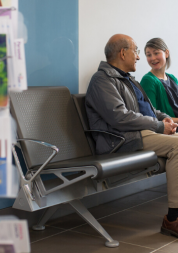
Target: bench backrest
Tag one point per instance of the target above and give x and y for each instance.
(79, 101)
(48, 114)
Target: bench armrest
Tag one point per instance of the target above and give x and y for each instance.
(108, 133)
(55, 151)
(40, 142)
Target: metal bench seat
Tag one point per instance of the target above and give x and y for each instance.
(109, 165)
(53, 141)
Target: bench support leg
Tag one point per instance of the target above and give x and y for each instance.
(87, 216)
(45, 217)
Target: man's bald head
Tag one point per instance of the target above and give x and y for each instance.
(115, 44)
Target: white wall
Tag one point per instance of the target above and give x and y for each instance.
(140, 19)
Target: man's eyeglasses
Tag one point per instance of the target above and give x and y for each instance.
(137, 51)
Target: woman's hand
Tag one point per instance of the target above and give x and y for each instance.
(175, 120)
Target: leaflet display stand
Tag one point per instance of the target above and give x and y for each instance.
(14, 235)
(12, 77)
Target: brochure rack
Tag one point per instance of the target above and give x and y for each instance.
(14, 236)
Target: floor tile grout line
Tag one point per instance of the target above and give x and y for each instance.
(111, 214)
(105, 239)
(77, 232)
(154, 250)
(86, 234)
(155, 191)
(147, 213)
(161, 191)
(136, 245)
(69, 228)
(48, 237)
(65, 230)
(163, 246)
(72, 229)
(131, 207)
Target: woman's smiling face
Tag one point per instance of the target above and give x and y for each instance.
(156, 58)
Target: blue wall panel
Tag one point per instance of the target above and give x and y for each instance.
(52, 47)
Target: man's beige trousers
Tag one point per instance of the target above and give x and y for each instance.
(165, 146)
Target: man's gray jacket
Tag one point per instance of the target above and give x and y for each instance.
(112, 106)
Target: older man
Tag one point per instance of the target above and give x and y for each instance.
(115, 102)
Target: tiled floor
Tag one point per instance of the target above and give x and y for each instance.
(134, 221)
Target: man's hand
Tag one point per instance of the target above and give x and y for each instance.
(169, 126)
(168, 120)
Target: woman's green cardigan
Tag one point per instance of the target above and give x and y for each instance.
(156, 92)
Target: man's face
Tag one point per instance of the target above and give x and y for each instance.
(131, 57)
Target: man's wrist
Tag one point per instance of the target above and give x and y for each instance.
(160, 128)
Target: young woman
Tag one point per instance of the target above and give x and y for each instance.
(160, 87)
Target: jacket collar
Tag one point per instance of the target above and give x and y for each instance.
(110, 71)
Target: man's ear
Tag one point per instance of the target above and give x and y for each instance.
(122, 54)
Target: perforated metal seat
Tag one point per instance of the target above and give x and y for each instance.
(49, 114)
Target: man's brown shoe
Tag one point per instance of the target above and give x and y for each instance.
(169, 228)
